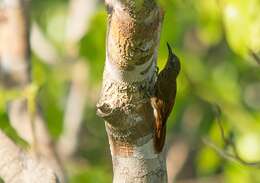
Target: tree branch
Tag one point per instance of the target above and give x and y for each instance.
(255, 56)
(17, 166)
(234, 155)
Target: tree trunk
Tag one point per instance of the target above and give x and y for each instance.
(14, 44)
(129, 78)
(16, 166)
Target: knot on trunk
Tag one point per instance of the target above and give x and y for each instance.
(127, 110)
(120, 102)
(108, 113)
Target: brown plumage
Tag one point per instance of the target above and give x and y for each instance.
(164, 98)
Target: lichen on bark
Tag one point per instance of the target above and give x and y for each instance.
(128, 83)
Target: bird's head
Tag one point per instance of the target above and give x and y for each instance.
(173, 62)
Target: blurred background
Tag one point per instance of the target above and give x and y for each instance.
(217, 42)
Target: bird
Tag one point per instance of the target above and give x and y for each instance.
(163, 98)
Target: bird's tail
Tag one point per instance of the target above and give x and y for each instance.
(159, 139)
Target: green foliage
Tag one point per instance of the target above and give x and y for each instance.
(53, 92)
(92, 46)
(10, 131)
(95, 174)
(7, 95)
(242, 20)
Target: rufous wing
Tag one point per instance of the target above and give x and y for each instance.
(162, 110)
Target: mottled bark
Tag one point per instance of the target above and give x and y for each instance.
(128, 82)
(15, 74)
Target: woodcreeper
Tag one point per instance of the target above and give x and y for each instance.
(164, 97)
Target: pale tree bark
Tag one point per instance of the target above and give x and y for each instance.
(13, 44)
(74, 112)
(42, 47)
(78, 22)
(37, 135)
(128, 82)
(16, 166)
(15, 74)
